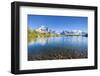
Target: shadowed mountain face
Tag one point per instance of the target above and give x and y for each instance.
(44, 29)
(57, 37)
(47, 45)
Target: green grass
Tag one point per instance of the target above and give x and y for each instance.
(32, 35)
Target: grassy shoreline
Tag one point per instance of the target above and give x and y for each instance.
(58, 53)
(34, 34)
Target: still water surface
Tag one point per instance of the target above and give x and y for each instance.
(66, 47)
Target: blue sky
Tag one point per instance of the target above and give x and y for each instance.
(58, 23)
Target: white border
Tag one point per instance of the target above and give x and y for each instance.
(26, 65)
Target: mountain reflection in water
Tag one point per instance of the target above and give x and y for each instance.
(65, 47)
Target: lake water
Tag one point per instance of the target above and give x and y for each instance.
(66, 47)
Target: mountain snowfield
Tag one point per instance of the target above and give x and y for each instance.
(44, 29)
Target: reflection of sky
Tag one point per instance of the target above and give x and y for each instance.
(58, 23)
(69, 42)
